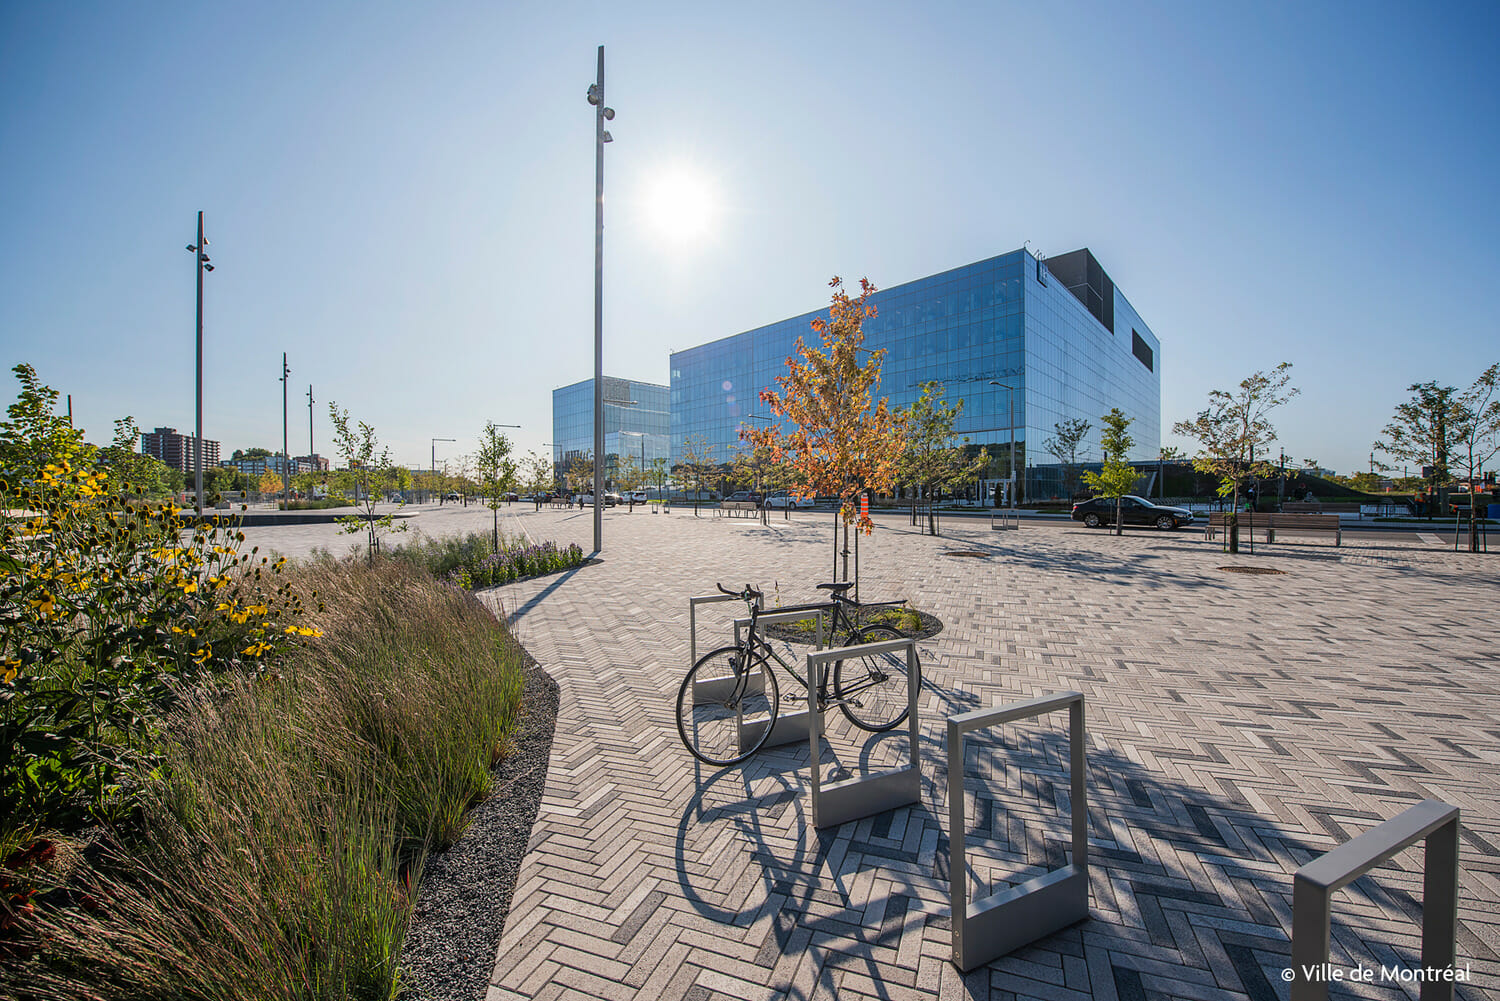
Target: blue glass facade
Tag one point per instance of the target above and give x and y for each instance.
(1009, 319)
(635, 418)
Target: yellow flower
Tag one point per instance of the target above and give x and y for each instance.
(190, 587)
(12, 668)
(44, 604)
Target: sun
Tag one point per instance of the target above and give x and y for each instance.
(681, 204)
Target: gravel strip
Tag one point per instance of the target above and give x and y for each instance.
(465, 892)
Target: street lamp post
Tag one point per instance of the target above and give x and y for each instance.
(286, 455)
(601, 115)
(200, 265)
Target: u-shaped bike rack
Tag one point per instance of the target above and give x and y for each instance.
(1013, 917)
(1314, 884)
(834, 803)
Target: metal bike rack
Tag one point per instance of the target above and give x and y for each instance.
(693, 603)
(1004, 519)
(1314, 884)
(789, 727)
(1018, 915)
(855, 798)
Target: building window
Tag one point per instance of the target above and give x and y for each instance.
(1142, 351)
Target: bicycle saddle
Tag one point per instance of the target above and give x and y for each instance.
(837, 587)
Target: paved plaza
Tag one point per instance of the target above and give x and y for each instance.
(1238, 726)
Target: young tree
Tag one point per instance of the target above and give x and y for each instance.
(368, 473)
(1476, 437)
(1117, 476)
(933, 463)
(130, 472)
(34, 437)
(1423, 433)
(536, 476)
(1069, 434)
(578, 475)
(697, 465)
(1234, 429)
(497, 471)
(659, 476)
(270, 482)
(628, 472)
(844, 440)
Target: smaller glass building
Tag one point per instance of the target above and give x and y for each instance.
(636, 423)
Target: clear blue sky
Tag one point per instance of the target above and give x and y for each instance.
(400, 195)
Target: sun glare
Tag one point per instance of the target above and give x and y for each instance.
(681, 204)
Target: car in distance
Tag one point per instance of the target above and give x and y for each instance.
(785, 498)
(636, 497)
(450, 496)
(613, 499)
(1097, 512)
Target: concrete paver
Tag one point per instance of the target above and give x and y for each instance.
(1239, 725)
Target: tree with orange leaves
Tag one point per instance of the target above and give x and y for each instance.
(841, 439)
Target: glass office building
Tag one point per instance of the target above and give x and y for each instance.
(1057, 334)
(635, 422)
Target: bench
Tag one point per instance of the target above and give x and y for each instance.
(1271, 523)
(1304, 524)
(737, 509)
(1317, 507)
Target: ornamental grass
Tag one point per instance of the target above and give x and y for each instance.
(278, 844)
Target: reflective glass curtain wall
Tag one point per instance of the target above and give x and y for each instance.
(990, 320)
(635, 419)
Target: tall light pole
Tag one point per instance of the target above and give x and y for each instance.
(601, 115)
(200, 265)
(1010, 392)
(286, 455)
(310, 450)
(433, 471)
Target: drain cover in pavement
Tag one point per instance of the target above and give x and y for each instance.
(1250, 570)
(970, 553)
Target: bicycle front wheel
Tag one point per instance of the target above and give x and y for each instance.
(872, 690)
(726, 706)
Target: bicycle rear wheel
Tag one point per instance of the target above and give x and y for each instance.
(725, 707)
(872, 690)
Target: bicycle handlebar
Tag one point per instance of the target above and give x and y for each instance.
(748, 594)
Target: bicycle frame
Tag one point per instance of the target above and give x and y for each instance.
(755, 650)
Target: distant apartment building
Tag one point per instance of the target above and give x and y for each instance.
(314, 463)
(255, 468)
(176, 450)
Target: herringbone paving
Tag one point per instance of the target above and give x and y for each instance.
(1238, 726)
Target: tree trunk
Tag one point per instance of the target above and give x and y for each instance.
(836, 544)
(1119, 518)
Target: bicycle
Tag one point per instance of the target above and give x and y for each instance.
(728, 703)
